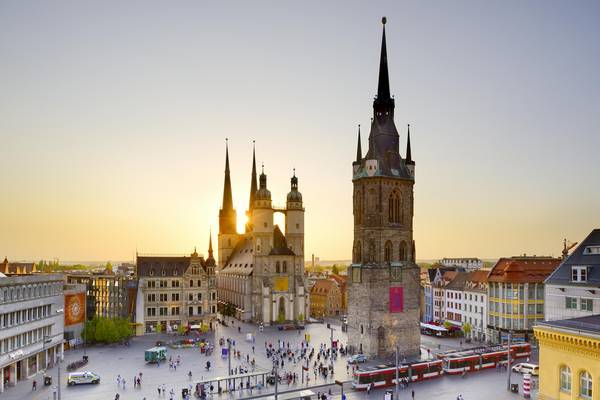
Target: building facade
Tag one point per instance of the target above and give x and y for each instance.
(31, 325)
(17, 268)
(454, 298)
(325, 299)
(475, 305)
(569, 358)
(469, 264)
(516, 295)
(261, 271)
(573, 289)
(176, 292)
(384, 287)
(75, 312)
(108, 295)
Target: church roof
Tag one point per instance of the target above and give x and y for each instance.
(241, 261)
(280, 246)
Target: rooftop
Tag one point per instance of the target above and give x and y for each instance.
(523, 269)
(586, 254)
(589, 324)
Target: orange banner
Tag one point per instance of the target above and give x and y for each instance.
(74, 308)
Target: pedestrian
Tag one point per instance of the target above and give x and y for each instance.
(118, 380)
(34, 385)
(123, 381)
(413, 394)
(117, 396)
(158, 391)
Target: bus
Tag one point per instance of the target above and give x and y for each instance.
(478, 358)
(385, 375)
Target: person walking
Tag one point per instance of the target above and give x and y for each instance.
(158, 388)
(34, 385)
(413, 394)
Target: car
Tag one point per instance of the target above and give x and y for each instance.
(526, 368)
(357, 358)
(78, 378)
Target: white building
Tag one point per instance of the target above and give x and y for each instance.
(474, 310)
(469, 264)
(573, 289)
(31, 325)
(454, 297)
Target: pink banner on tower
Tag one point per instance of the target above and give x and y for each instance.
(396, 300)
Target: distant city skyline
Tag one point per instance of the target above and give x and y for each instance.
(113, 119)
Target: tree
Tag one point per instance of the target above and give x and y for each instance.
(335, 269)
(158, 327)
(466, 329)
(181, 329)
(109, 268)
(106, 330)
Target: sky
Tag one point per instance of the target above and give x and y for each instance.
(113, 119)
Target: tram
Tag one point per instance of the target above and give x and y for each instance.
(385, 375)
(478, 358)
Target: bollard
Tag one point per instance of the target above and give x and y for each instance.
(527, 386)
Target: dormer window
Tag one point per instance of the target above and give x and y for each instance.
(591, 250)
(579, 274)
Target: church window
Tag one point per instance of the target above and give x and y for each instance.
(229, 242)
(277, 267)
(357, 253)
(403, 252)
(372, 201)
(265, 224)
(371, 251)
(395, 214)
(284, 267)
(357, 208)
(388, 251)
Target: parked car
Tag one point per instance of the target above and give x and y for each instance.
(526, 368)
(76, 378)
(357, 358)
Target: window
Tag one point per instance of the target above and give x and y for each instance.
(174, 283)
(388, 251)
(190, 310)
(214, 296)
(357, 253)
(585, 385)
(190, 297)
(174, 296)
(191, 283)
(372, 250)
(571, 303)
(403, 253)
(587, 305)
(174, 310)
(565, 379)
(284, 267)
(592, 250)
(277, 267)
(579, 274)
(395, 208)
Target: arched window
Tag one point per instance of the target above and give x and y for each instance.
(395, 215)
(357, 253)
(565, 379)
(285, 267)
(388, 251)
(277, 267)
(585, 385)
(357, 207)
(371, 251)
(371, 201)
(403, 252)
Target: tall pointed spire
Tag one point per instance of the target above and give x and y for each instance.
(227, 196)
(210, 249)
(409, 160)
(358, 147)
(383, 88)
(227, 214)
(253, 180)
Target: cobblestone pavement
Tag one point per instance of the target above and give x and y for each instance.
(111, 361)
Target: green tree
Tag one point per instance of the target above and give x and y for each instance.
(466, 329)
(109, 268)
(301, 317)
(335, 269)
(158, 327)
(181, 329)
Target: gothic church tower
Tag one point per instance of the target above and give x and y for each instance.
(383, 293)
(228, 236)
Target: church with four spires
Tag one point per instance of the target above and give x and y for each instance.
(260, 274)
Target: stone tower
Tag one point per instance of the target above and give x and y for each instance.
(383, 292)
(294, 218)
(228, 236)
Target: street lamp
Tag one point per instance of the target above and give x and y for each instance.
(508, 363)
(47, 339)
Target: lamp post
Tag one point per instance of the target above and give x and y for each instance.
(275, 369)
(47, 339)
(508, 364)
(397, 378)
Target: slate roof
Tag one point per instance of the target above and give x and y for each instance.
(523, 269)
(589, 324)
(241, 261)
(164, 266)
(581, 256)
(458, 283)
(280, 246)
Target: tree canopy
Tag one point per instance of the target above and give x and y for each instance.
(106, 330)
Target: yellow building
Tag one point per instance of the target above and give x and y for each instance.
(569, 358)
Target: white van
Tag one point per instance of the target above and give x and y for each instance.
(76, 378)
(526, 368)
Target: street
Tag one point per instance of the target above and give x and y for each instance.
(128, 361)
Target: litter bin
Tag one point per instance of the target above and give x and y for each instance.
(184, 392)
(514, 387)
(47, 380)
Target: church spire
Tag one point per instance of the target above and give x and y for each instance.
(409, 160)
(227, 214)
(253, 181)
(383, 88)
(210, 249)
(358, 148)
(227, 196)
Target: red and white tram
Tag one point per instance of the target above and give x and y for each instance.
(385, 375)
(455, 362)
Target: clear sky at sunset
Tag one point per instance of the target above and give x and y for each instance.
(113, 119)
